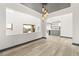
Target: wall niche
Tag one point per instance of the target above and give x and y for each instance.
(28, 28)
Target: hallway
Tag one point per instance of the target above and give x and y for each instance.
(52, 46)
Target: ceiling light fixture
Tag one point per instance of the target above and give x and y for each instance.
(44, 11)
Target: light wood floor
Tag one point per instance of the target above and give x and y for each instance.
(52, 46)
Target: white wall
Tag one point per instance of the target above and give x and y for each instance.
(43, 27)
(2, 21)
(16, 36)
(2, 24)
(17, 15)
(65, 16)
(18, 19)
(75, 10)
(66, 24)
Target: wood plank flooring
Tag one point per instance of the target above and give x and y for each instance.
(52, 46)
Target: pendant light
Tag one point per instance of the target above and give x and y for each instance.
(44, 11)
